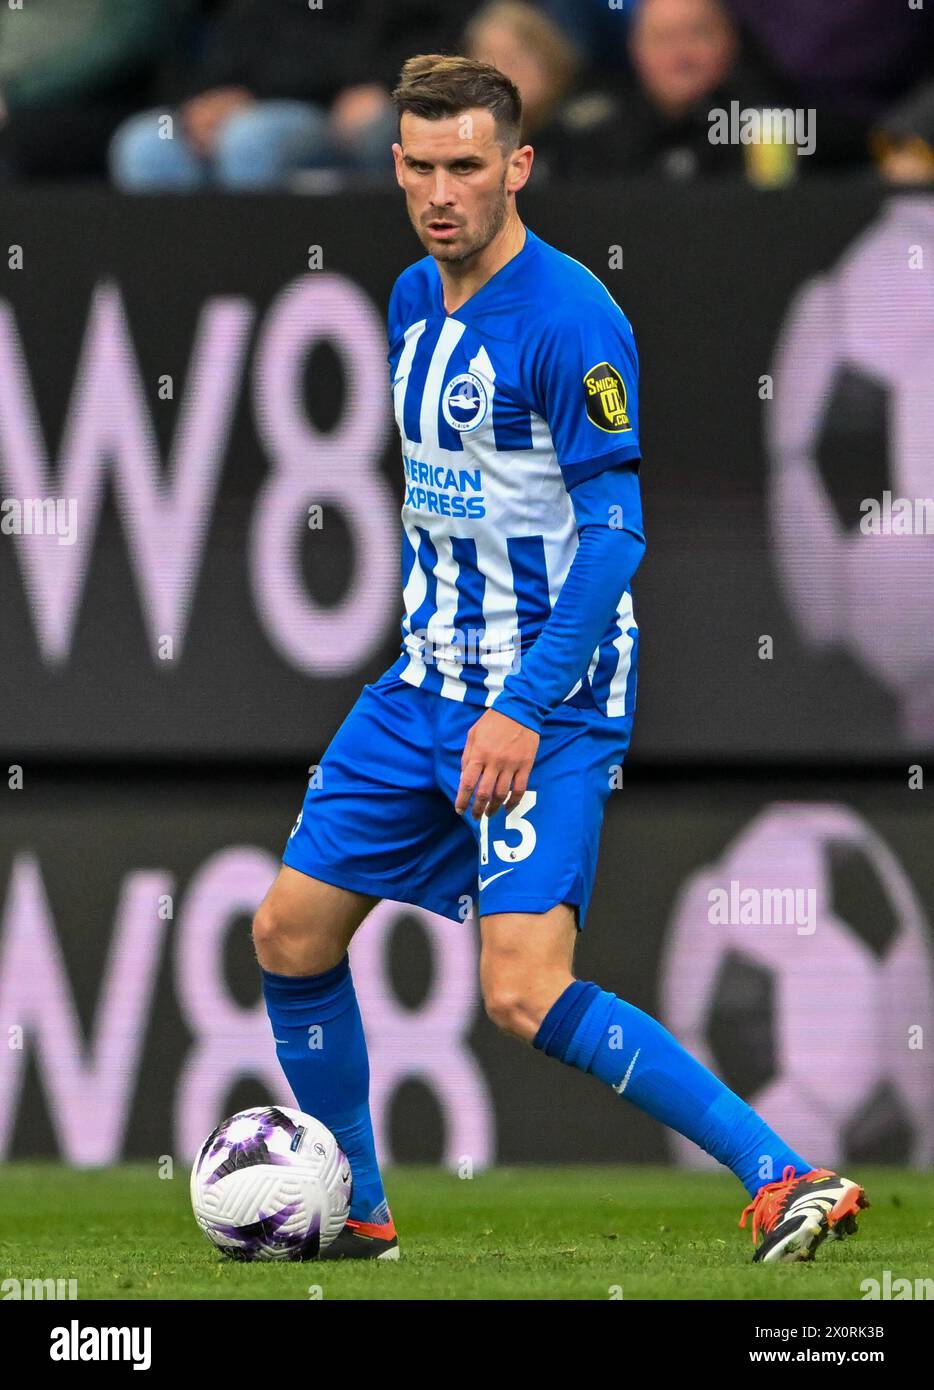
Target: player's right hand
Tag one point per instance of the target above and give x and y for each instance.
(496, 764)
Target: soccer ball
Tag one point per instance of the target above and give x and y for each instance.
(271, 1184)
(852, 419)
(820, 1030)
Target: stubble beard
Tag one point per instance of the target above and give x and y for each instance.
(492, 224)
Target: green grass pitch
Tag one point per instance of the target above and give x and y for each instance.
(509, 1233)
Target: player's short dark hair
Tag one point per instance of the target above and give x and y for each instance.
(433, 85)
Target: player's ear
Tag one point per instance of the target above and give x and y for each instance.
(519, 168)
(397, 160)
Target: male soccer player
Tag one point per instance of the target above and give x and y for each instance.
(514, 377)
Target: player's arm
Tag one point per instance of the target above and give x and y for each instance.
(501, 746)
(582, 377)
(611, 543)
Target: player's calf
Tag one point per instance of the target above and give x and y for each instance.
(301, 931)
(525, 965)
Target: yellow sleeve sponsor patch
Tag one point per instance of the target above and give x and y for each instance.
(605, 395)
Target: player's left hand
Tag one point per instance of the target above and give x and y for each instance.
(497, 761)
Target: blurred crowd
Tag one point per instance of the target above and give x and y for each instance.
(174, 95)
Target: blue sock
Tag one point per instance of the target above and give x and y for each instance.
(593, 1030)
(322, 1050)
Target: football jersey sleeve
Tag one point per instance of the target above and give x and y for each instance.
(608, 509)
(585, 384)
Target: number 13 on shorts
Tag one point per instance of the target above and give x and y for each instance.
(517, 821)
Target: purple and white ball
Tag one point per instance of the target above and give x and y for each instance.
(271, 1183)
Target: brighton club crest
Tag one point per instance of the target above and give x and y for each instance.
(464, 403)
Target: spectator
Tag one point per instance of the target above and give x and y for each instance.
(685, 59)
(531, 50)
(283, 87)
(70, 72)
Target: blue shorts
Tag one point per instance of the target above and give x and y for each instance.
(379, 815)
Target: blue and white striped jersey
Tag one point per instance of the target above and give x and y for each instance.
(528, 389)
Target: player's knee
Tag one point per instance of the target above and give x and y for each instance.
(277, 939)
(267, 929)
(295, 943)
(511, 1010)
